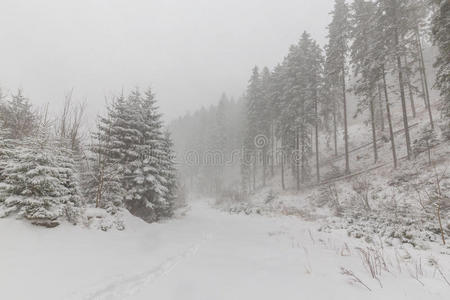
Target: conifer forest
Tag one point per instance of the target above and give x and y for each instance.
(225, 149)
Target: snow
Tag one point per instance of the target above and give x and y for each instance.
(207, 254)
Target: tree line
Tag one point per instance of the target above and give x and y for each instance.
(207, 144)
(307, 93)
(294, 112)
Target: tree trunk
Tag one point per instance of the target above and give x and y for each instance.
(254, 171)
(347, 162)
(264, 162)
(388, 113)
(282, 167)
(374, 134)
(302, 139)
(400, 82)
(316, 123)
(411, 96)
(297, 161)
(380, 108)
(424, 74)
(100, 189)
(272, 155)
(335, 134)
(422, 83)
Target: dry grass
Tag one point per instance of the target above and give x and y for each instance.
(353, 277)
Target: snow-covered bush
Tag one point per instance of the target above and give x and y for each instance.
(104, 219)
(328, 195)
(361, 186)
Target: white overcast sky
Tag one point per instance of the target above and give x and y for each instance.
(188, 51)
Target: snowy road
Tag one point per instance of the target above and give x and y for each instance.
(206, 255)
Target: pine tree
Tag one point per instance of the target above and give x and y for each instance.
(363, 56)
(338, 35)
(105, 179)
(130, 140)
(382, 59)
(418, 12)
(18, 117)
(146, 183)
(441, 33)
(253, 97)
(169, 173)
(7, 152)
(266, 124)
(40, 184)
(219, 144)
(314, 62)
(278, 101)
(395, 28)
(330, 94)
(293, 114)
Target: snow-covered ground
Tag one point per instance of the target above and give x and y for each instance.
(210, 254)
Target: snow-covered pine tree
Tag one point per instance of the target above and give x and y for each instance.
(395, 29)
(383, 60)
(104, 181)
(148, 188)
(40, 184)
(7, 147)
(291, 113)
(418, 14)
(338, 35)
(265, 120)
(278, 100)
(18, 117)
(219, 145)
(300, 77)
(132, 158)
(315, 63)
(441, 33)
(363, 56)
(330, 94)
(253, 97)
(170, 175)
(412, 58)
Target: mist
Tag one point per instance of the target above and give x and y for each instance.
(163, 149)
(189, 52)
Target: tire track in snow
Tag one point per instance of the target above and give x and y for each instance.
(128, 286)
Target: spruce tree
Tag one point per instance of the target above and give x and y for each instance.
(170, 177)
(330, 95)
(338, 35)
(363, 55)
(395, 28)
(253, 97)
(130, 140)
(18, 117)
(441, 33)
(40, 184)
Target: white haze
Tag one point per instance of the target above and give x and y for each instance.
(189, 52)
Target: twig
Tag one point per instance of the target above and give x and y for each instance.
(355, 278)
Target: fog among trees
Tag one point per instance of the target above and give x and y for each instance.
(193, 158)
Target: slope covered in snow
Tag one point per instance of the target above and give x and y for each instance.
(210, 254)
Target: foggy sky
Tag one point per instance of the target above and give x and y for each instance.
(188, 51)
